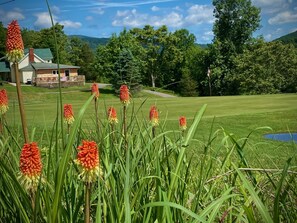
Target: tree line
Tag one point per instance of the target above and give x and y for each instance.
(235, 61)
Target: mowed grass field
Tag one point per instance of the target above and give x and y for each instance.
(236, 115)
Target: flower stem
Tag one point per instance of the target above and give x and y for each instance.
(21, 103)
(96, 116)
(153, 131)
(125, 125)
(87, 202)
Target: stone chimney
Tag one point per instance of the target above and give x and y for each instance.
(31, 55)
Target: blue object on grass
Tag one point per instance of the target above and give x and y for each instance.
(285, 137)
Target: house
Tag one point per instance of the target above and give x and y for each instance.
(36, 68)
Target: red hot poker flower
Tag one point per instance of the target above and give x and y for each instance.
(68, 114)
(124, 95)
(154, 116)
(112, 115)
(95, 90)
(88, 160)
(3, 102)
(30, 165)
(14, 42)
(183, 123)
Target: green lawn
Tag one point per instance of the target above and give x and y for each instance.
(238, 115)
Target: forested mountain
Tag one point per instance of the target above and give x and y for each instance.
(93, 42)
(289, 38)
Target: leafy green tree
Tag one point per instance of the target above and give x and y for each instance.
(47, 41)
(174, 57)
(106, 56)
(126, 71)
(31, 38)
(236, 20)
(80, 54)
(2, 40)
(267, 68)
(152, 42)
(187, 84)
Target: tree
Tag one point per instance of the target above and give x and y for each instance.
(47, 40)
(2, 40)
(80, 54)
(31, 38)
(267, 68)
(152, 42)
(106, 56)
(126, 71)
(236, 20)
(187, 84)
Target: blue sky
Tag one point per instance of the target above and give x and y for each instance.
(102, 18)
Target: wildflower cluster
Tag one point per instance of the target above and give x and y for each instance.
(3, 102)
(30, 166)
(112, 115)
(88, 161)
(68, 114)
(14, 42)
(95, 90)
(124, 95)
(154, 116)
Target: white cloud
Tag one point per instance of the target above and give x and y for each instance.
(8, 16)
(283, 17)
(207, 36)
(43, 20)
(98, 11)
(131, 18)
(70, 24)
(155, 8)
(172, 20)
(271, 6)
(89, 18)
(198, 14)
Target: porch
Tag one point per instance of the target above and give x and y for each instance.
(52, 82)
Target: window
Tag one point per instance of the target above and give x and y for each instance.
(55, 72)
(67, 72)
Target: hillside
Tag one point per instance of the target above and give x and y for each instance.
(95, 41)
(92, 41)
(289, 38)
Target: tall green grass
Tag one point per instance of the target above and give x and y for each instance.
(166, 177)
(152, 180)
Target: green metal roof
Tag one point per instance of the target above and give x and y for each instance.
(4, 66)
(44, 54)
(27, 68)
(42, 66)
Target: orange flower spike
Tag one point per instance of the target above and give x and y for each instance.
(124, 95)
(14, 42)
(68, 114)
(183, 123)
(95, 90)
(154, 116)
(88, 160)
(112, 116)
(3, 102)
(30, 165)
